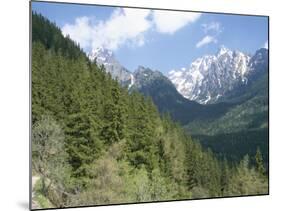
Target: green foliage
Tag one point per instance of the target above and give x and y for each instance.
(42, 200)
(225, 176)
(81, 144)
(252, 114)
(50, 36)
(114, 118)
(49, 157)
(259, 162)
(93, 142)
(234, 146)
(140, 188)
(141, 132)
(49, 160)
(247, 181)
(243, 127)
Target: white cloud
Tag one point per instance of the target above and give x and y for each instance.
(266, 44)
(212, 31)
(206, 40)
(212, 26)
(171, 21)
(82, 24)
(126, 26)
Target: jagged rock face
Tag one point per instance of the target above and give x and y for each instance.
(106, 57)
(143, 76)
(209, 77)
(258, 64)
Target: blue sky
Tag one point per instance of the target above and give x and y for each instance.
(161, 40)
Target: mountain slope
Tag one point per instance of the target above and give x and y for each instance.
(243, 128)
(169, 100)
(251, 100)
(257, 82)
(242, 84)
(159, 88)
(239, 120)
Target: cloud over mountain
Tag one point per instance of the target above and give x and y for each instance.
(206, 40)
(126, 26)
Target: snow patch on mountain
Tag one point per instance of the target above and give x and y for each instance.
(132, 81)
(209, 77)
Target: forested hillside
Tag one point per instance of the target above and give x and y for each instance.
(94, 143)
(233, 127)
(243, 128)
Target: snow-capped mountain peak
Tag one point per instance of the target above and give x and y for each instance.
(107, 58)
(222, 50)
(211, 76)
(206, 80)
(102, 55)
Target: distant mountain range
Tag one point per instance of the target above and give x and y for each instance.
(208, 80)
(212, 87)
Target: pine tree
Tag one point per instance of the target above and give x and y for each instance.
(82, 147)
(225, 176)
(191, 165)
(259, 162)
(114, 129)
